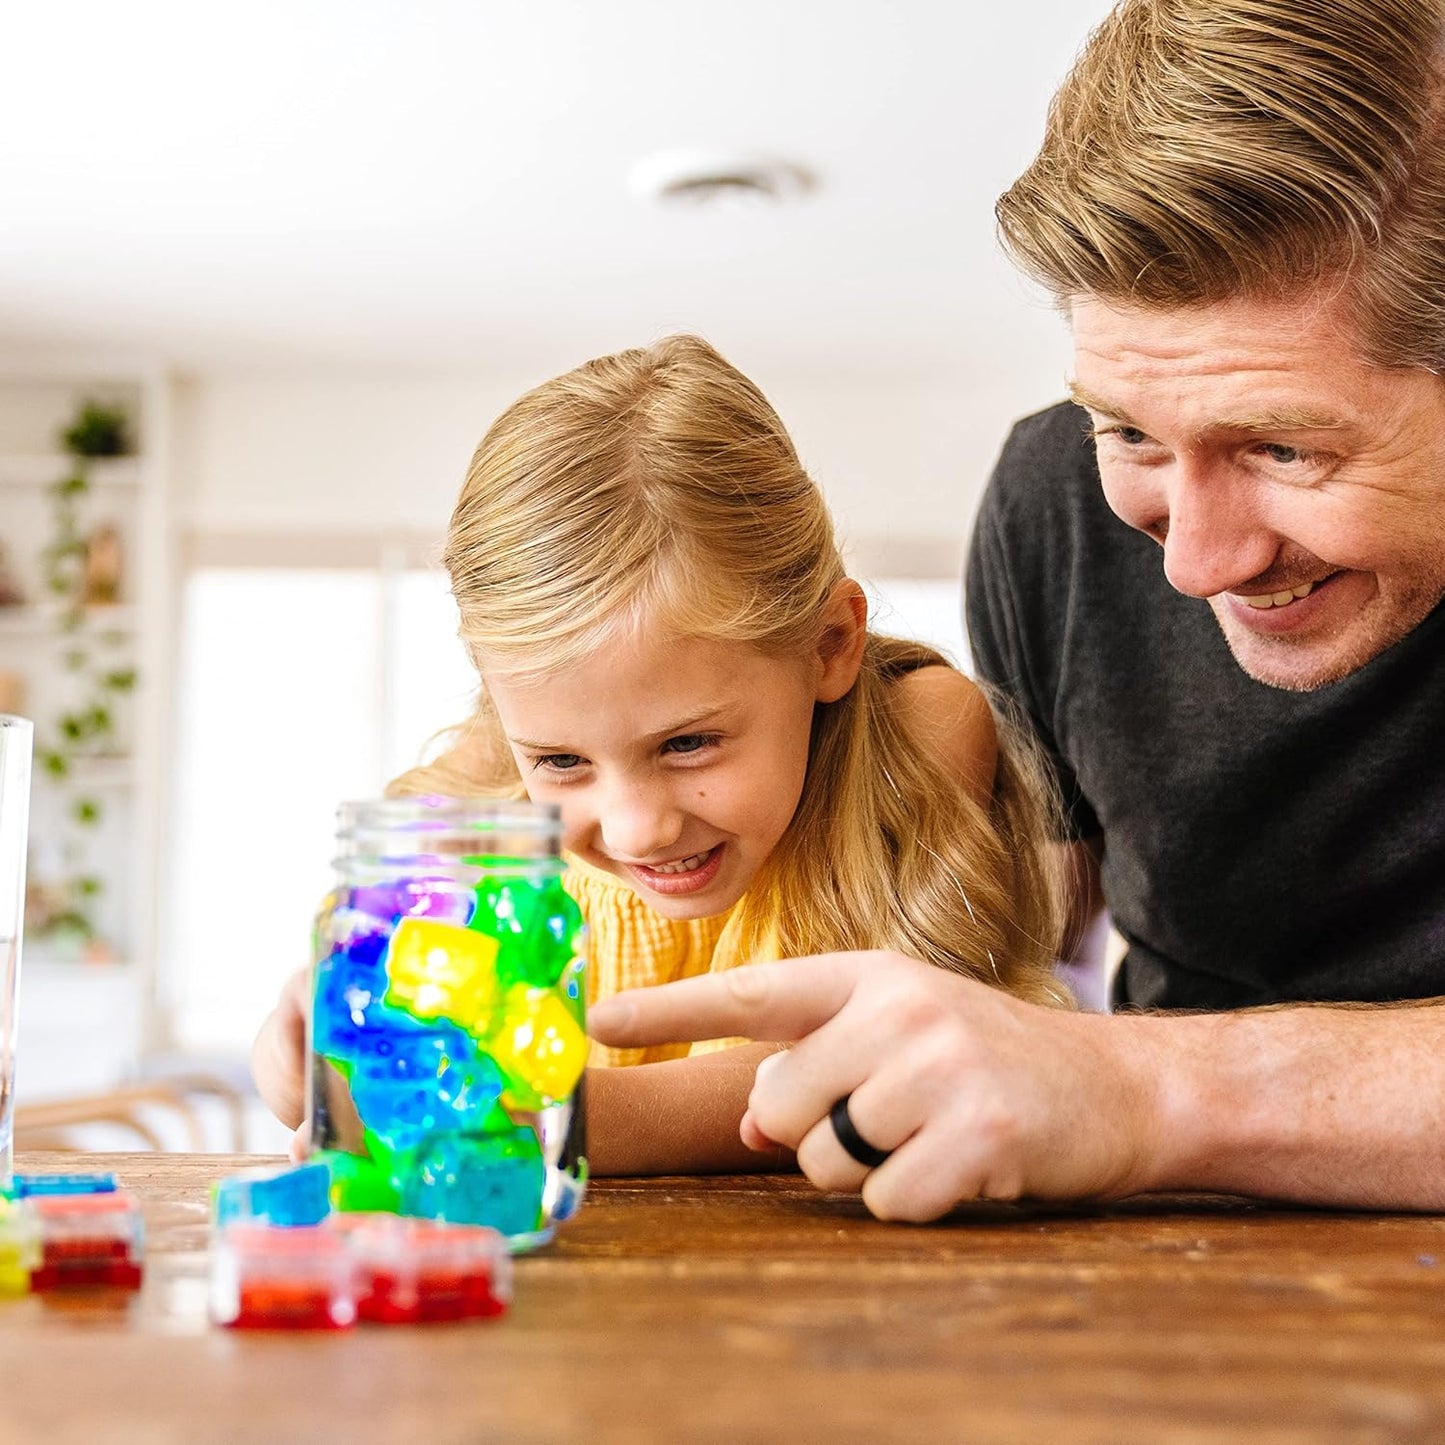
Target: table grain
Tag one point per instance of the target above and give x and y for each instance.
(747, 1309)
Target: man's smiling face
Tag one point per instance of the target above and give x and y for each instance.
(1297, 487)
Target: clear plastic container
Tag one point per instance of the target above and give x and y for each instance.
(447, 1029)
(268, 1278)
(88, 1239)
(16, 746)
(413, 1270)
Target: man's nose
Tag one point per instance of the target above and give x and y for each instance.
(639, 823)
(1214, 538)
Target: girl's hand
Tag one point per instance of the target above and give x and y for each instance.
(278, 1055)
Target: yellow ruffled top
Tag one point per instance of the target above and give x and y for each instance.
(631, 946)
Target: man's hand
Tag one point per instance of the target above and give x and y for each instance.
(978, 1094)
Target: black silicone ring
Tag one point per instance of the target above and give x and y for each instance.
(856, 1146)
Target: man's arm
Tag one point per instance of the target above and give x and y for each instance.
(980, 1095)
(1320, 1104)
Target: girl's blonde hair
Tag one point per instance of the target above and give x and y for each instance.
(658, 486)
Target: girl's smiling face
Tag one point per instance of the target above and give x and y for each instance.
(678, 763)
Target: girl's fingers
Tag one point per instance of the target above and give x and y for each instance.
(278, 1052)
(301, 1143)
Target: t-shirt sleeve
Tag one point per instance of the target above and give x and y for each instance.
(1007, 593)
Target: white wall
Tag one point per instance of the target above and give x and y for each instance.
(901, 460)
(327, 451)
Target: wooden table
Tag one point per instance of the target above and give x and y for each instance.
(751, 1309)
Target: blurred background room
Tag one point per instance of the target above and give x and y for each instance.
(267, 272)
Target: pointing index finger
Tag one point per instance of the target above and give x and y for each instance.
(774, 1002)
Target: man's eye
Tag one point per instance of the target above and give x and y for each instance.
(1279, 452)
(558, 762)
(1130, 436)
(689, 743)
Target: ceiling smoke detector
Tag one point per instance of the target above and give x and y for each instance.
(718, 178)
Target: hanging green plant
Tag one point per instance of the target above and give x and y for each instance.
(63, 558)
(87, 729)
(98, 431)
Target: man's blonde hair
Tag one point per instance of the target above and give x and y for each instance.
(658, 488)
(1208, 149)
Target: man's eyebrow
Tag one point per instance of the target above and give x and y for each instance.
(1269, 419)
(1090, 402)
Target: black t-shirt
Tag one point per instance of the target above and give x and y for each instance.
(1259, 845)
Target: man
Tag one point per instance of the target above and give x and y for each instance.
(1240, 205)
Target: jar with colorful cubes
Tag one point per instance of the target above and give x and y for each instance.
(447, 1031)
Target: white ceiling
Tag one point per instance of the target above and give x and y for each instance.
(444, 182)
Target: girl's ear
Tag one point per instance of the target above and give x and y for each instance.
(841, 642)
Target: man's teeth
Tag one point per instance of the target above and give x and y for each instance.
(684, 865)
(1281, 599)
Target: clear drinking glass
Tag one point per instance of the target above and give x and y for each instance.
(16, 743)
(447, 1037)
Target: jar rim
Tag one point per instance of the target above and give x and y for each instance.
(435, 812)
(433, 828)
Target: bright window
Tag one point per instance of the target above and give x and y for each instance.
(298, 689)
(928, 609)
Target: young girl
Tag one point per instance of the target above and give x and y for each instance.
(669, 648)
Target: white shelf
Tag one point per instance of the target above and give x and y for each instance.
(102, 772)
(20, 469)
(80, 1025)
(84, 1023)
(41, 620)
(59, 966)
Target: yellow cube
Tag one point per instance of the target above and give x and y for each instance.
(437, 970)
(538, 1046)
(19, 1248)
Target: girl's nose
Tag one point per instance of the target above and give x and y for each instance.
(638, 827)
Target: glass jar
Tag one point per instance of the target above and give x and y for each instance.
(447, 1035)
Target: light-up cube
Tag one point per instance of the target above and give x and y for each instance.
(539, 1047)
(437, 970)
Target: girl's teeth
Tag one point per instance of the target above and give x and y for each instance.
(685, 865)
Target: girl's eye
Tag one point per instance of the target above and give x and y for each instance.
(558, 762)
(690, 743)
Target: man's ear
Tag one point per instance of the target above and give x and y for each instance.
(842, 639)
